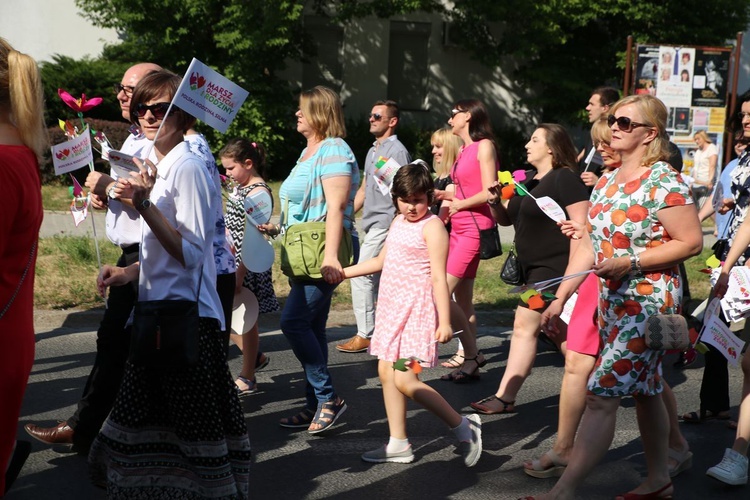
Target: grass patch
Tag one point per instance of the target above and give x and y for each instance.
(66, 272)
(66, 277)
(56, 197)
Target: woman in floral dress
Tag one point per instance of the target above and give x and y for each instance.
(642, 223)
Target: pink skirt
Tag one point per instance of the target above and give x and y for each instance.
(583, 333)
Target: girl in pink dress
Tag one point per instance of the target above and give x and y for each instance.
(414, 295)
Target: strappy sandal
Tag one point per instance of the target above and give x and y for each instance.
(695, 417)
(300, 420)
(327, 415)
(462, 377)
(454, 361)
(481, 406)
(683, 459)
(535, 468)
(252, 386)
(261, 361)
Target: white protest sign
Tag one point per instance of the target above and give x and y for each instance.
(73, 154)
(550, 208)
(567, 311)
(717, 334)
(718, 200)
(209, 96)
(589, 157)
(385, 170)
(244, 311)
(258, 207)
(257, 252)
(122, 163)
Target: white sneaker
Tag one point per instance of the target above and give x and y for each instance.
(731, 470)
(381, 455)
(472, 450)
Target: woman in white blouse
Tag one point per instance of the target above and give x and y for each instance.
(173, 432)
(704, 167)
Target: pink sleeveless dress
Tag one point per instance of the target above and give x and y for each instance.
(406, 317)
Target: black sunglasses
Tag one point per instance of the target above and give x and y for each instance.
(624, 123)
(119, 87)
(376, 116)
(159, 110)
(454, 112)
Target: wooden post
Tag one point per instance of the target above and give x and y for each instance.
(628, 68)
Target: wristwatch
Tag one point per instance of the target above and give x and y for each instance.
(111, 191)
(145, 204)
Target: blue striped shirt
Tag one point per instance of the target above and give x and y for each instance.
(304, 187)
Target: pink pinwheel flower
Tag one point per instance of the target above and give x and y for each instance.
(79, 105)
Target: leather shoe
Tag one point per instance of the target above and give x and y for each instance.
(62, 433)
(354, 344)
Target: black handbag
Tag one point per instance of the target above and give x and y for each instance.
(721, 247)
(512, 272)
(165, 333)
(489, 239)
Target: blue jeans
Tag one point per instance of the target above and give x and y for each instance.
(303, 323)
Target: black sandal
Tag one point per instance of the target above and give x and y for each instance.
(298, 421)
(327, 415)
(695, 417)
(480, 407)
(462, 377)
(453, 361)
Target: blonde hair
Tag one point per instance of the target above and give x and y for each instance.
(322, 109)
(451, 144)
(654, 114)
(600, 131)
(22, 94)
(703, 135)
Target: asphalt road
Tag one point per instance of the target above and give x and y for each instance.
(294, 465)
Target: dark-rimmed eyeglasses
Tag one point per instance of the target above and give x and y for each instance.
(127, 89)
(743, 114)
(376, 116)
(624, 123)
(159, 110)
(454, 112)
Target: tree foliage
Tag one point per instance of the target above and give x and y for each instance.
(560, 49)
(564, 48)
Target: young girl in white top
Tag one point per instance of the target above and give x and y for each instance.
(414, 295)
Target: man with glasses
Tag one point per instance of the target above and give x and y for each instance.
(377, 215)
(112, 339)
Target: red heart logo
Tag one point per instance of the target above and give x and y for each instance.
(66, 151)
(201, 81)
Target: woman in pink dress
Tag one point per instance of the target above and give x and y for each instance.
(473, 173)
(414, 294)
(23, 139)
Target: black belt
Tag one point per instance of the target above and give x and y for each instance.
(130, 248)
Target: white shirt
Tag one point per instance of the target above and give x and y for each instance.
(182, 194)
(701, 162)
(123, 222)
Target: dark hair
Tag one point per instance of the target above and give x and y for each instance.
(153, 85)
(413, 178)
(607, 95)
(480, 126)
(241, 150)
(392, 106)
(559, 142)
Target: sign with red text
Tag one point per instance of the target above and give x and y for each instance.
(209, 96)
(73, 154)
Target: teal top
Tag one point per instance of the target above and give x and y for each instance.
(303, 189)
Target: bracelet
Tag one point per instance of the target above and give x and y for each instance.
(635, 263)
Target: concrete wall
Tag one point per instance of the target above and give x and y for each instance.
(451, 75)
(41, 28)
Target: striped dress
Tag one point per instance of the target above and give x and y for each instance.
(406, 316)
